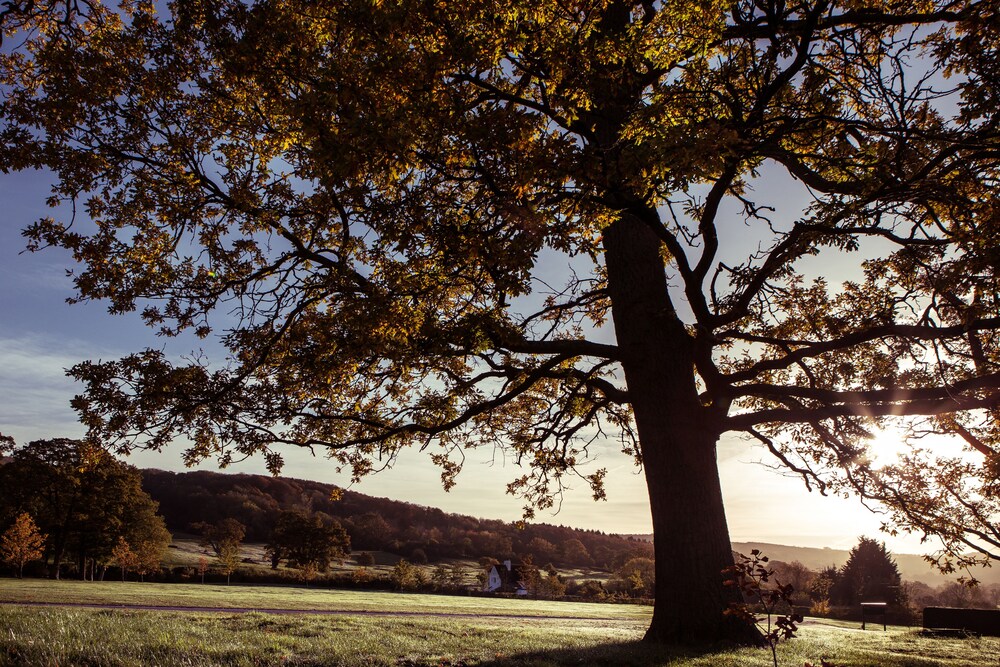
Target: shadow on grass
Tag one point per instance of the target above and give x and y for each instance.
(623, 654)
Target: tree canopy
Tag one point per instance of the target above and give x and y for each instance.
(215, 535)
(370, 203)
(305, 539)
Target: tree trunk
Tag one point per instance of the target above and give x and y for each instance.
(57, 555)
(677, 436)
(691, 537)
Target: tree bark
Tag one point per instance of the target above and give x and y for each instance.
(677, 438)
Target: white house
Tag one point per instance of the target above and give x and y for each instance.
(503, 579)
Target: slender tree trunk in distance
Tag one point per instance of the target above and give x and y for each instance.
(57, 552)
(82, 561)
(678, 441)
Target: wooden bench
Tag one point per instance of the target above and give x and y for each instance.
(871, 609)
(976, 621)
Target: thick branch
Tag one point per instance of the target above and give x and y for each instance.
(896, 395)
(926, 407)
(818, 348)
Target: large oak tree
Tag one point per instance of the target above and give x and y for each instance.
(366, 201)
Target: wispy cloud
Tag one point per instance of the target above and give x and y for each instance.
(34, 389)
(49, 275)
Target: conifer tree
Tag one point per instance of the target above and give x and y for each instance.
(869, 575)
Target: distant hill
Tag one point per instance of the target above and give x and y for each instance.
(912, 567)
(422, 534)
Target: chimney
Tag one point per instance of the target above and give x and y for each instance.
(507, 565)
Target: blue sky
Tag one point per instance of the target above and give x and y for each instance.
(41, 335)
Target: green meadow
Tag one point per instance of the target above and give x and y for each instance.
(394, 629)
(302, 598)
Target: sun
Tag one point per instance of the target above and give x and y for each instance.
(887, 445)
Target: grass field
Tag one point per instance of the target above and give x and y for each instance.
(526, 633)
(298, 597)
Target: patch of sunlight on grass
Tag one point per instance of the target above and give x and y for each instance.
(296, 597)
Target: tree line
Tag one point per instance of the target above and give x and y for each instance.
(79, 509)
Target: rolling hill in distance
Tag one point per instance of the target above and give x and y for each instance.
(912, 567)
(429, 534)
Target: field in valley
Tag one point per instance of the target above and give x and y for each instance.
(394, 629)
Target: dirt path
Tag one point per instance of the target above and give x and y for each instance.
(321, 612)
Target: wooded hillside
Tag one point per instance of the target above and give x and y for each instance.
(413, 531)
